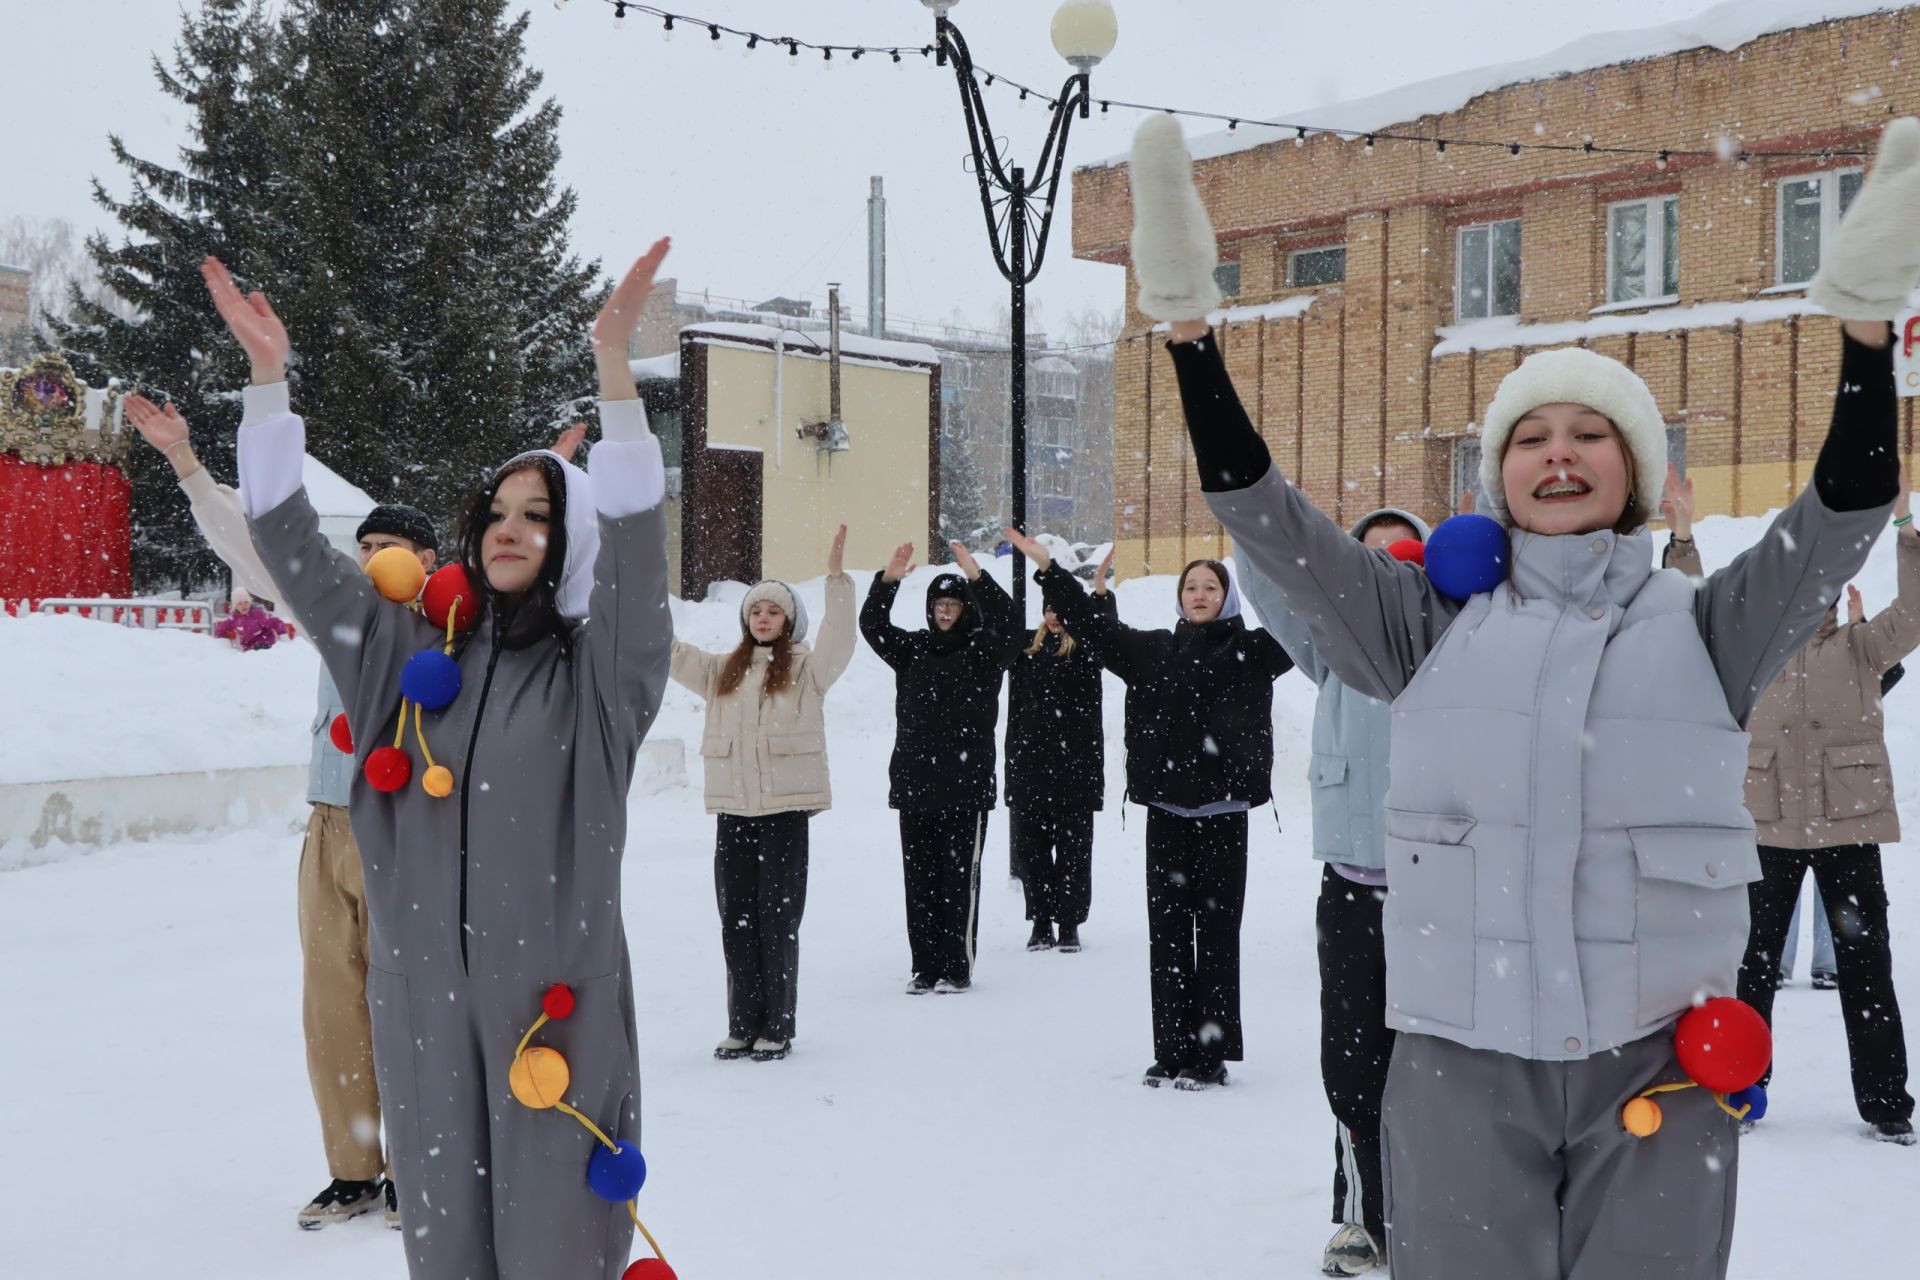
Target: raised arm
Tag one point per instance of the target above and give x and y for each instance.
(894, 645)
(1279, 621)
(995, 605)
(1894, 632)
(1097, 623)
(1676, 504)
(834, 648)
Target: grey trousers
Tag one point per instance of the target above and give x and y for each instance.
(1502, 1166)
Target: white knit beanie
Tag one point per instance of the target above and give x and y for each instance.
(784, 596)
(1574, 375)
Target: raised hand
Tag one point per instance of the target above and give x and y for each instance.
(1031, 548)
(1100, 586)
(1677, 504)
(621, 314)
(251, 319)
(570, 441)
(161, 428)
(964, 558)
(1856, 606)
(1466, 503)
(900, 565)
(836, 553)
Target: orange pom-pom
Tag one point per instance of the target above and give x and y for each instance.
(438, 782)
(539, 1077)
(1641, 1117)
(450, 583)
(397, 574)
(558, 1002)
(388, 769)
(340, 735)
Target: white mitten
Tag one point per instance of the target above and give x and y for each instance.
(1173, 247)
(1874, 260)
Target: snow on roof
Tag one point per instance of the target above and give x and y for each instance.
(1726, 26)
(1284, 309)
(1508, 331)
(803, 343)
(667, 366)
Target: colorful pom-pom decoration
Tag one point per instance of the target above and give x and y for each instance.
(340, 735)
(388, 768)
(1641, 1117)
(1467, 555)
(397, 574)
(650, 1269)
(1412, 550)
(539, 1077)
(617, 1173)
(448, 584)
(431, 678)
(1724, 1044)
(557, 1003)
(437, 782)
(1753, 1099)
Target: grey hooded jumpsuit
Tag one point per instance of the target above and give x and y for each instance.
(481, 900)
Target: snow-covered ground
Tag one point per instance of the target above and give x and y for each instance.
(157, 1122)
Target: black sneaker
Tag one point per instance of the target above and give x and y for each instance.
(1825, 980)
(732, 1049)
(1069, 938)
(1157, 1075)
(393, 1207)
(1041, 939)
(1199, 1079)
(1898, 1132)
(952, 986)
(920, 985)
(340, 1202)
(766, 1050)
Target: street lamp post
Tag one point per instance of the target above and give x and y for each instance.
(1084, 32)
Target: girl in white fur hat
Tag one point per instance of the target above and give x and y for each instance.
(765, 752)
(1567, 847)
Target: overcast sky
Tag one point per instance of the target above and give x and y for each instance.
(759, 169)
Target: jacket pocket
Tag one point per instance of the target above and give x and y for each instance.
(723, 771)
(1689, 932)
(1763, 784)
(1857, 780)
(797, 764)
(1332, 827)
(1430, 941)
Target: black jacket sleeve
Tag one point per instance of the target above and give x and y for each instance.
(1272, 656)
(1859, 465)
(894, 645)
(1227, 451)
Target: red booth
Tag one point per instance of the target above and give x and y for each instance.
(65, 520)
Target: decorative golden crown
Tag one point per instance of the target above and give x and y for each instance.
(49, 417)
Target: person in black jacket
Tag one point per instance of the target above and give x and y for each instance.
(1199, 755)
(1055, 775)
(941, 778)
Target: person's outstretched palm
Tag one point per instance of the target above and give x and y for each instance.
(251, 318)
(161, 428)
(621, 314)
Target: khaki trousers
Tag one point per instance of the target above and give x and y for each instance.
(333, 954)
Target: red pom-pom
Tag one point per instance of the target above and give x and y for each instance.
(1724, 1045)
(388, 769)
(340, 735)
(558, 1002)
(446, 585)
(649, 1269)
(1410, 549)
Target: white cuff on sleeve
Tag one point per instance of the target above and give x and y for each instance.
(629, 476)
(259, 403)
(623, 420)
(270, 460)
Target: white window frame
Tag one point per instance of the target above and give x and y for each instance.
(1459, 269)
(1656, 254)
(1295, 255)
(1829, 217)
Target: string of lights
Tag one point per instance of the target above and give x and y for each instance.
(1724, 150)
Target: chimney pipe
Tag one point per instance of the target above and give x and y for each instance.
(876, 262)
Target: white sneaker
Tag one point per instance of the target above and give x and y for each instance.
(730, 1048)
(1351, 1252)
(765, 1050)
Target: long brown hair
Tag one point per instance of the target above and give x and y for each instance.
(779, 665)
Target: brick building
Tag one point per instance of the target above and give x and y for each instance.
(1378, 294)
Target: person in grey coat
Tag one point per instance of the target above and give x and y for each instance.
(1567, 847)
(482, 900)
(1348, 780)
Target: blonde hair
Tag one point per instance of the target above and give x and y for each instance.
(1040, 640)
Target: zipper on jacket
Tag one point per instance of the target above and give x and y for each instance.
(466, 786)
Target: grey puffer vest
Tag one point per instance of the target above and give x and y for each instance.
(1561, 885)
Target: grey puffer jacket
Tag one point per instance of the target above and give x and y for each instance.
(1348, 773)
(1566, 843)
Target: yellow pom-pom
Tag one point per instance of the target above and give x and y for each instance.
(437, 781)
(1641, 1117)
(539, 1077)
(397, 574)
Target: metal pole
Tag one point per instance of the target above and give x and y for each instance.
(1017, 380)
(877, 262)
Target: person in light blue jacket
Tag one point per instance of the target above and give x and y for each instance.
(1348, 779)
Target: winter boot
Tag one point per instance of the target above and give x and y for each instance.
(1041, 939)
(920, 985)
(1157, 1075)
(765, 1050)
(1825, 980)
(1200, 1079)
(1351, 1252)
(1069, 938)
(341, 1201)
(393, 1207)
(731, 1048)
(952, 986)
(1898, 1132)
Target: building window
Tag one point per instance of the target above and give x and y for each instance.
(1811, 207)
(1488, 282)
(1227, 276)
(1643, 249)
(1307, 267)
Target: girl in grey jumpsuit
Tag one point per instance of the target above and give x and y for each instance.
(481, 900)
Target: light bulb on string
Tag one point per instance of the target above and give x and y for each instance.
(559, 4)
(896, 59)
(1300, 136)
(714, 31)
(793, 52)
(753, 42)
(666, 28)
(1369, 147)
(827, 57)
(619, 16)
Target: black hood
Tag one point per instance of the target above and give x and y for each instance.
(952, 586)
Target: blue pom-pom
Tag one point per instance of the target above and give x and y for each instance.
(430, 678)
(1467, 554)
(617, 1174)
(1753, 1095)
